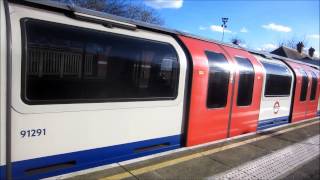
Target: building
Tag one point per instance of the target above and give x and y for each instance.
(298, 54)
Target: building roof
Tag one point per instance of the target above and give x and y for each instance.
(294, 54)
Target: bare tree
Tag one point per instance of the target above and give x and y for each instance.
(292, 42)
(136, 11)
(143, 13)
(237, 41)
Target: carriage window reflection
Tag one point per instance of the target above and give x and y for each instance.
(70, 64)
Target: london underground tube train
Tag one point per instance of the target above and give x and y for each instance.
(81, 89)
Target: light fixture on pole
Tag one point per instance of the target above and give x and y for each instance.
(224, 25)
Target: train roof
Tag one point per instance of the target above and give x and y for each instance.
(117, 21)
(269, 55)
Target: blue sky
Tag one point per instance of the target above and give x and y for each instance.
(261, 24)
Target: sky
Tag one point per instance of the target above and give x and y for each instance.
(261, 25)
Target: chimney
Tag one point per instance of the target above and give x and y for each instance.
(311, 51)
(300, 47)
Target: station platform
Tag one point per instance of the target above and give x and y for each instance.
(286, 152)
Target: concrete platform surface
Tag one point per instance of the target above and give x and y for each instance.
(271, 154)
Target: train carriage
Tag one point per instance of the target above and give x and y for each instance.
(81, 89)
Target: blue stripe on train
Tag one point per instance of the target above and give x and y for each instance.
(318, 113)
(90, 158)
(268, 123)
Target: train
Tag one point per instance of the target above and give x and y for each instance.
(81, 89)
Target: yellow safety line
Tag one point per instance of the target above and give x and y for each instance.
(197, 155)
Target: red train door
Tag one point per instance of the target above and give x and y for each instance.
(247, 92)
(210, 92)
(301, 86)
(313, 93)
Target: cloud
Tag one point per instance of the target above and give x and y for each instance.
(219, 29)
(313, 36)
(160, 4)
(277, 27)
(243, 45)
(267, 47)
(244, 30)
(202, 28)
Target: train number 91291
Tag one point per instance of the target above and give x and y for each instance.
(32, 133)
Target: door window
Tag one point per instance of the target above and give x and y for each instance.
(313, 86)
(219, 74)
(246, 81)
(304, 86)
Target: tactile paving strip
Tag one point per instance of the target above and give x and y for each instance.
(276, 164)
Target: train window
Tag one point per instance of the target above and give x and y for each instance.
(246, 81)
(67, 64)
(313, 86)
(278, 80)
(304, 86)
(218, 84)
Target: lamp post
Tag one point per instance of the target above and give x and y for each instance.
(224, 25)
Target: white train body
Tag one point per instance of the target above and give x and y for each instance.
(73, 133)
(3, 55)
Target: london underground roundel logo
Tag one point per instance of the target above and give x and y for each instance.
(276, 107)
